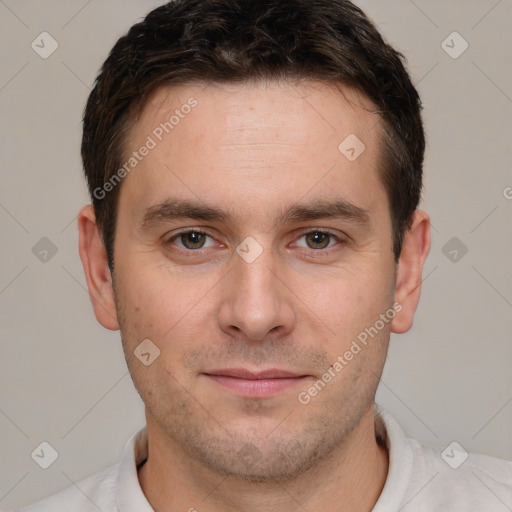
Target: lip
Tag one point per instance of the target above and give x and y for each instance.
(259, 384)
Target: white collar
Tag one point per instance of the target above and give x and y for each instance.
(128, 492)
(400, 461)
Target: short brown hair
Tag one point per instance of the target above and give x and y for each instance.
(187, 41)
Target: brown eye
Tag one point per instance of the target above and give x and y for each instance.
(192, 240)
(318, 240)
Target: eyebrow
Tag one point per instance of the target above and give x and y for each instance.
(174, 208)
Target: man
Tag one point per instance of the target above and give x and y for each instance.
(255, 170)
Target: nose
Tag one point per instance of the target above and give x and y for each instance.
(256, 302)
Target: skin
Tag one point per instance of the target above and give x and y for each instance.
(254, 150)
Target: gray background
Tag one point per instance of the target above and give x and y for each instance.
(63, 377)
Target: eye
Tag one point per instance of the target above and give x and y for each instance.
(192, 240)
(318, 240)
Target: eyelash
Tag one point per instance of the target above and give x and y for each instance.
(201, 231)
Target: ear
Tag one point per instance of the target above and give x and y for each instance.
(97, 273)
(415, 249)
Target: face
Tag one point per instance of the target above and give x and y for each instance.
(254, 253)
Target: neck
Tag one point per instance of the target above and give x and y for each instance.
(350, 479)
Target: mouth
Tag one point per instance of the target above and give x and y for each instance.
(261, 384)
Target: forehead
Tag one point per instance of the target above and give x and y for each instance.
(319, 106)
(230, 142)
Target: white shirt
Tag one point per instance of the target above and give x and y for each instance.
(418, 480)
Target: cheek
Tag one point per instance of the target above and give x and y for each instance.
(350, 293)
(348, 300)
(144, 307)
(153, 309)
(168, 309)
